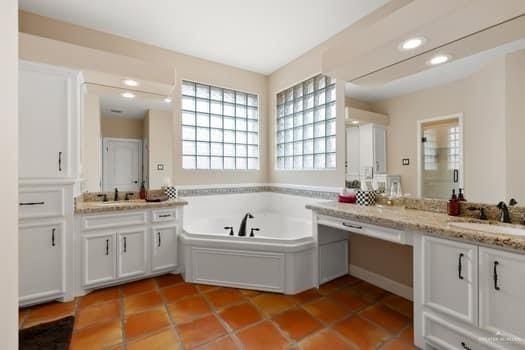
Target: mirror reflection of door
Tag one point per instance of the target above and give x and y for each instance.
(441, 163)
(122, 164)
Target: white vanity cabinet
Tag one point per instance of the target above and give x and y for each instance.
(466, 294)
(119, 246)
(502, 292)
(41, 261)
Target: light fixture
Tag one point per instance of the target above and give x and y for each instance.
(439, 59)
(127, 94)
(130, 82)
(167, 100)
(412, 43)
(355, 122)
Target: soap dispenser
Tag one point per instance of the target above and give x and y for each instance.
(453, 205)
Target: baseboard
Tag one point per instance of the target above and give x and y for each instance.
(381, 282)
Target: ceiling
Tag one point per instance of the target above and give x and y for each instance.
(435, 76)
(113, 105)
(260, 36)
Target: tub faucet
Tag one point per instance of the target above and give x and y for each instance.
(504, 215)
(242, 228)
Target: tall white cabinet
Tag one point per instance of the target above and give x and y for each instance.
(49, 157)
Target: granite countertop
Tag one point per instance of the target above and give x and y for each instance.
(435, 224)
(91, 207)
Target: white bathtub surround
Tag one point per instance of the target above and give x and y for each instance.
(280, 258)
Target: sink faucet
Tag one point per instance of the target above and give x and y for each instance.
(504, 215)
(116, 194)
(242, 228)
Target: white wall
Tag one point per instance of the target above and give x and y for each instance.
(91, 148)
(9, 174)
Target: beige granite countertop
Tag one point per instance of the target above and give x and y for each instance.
(435, 224)
(91, 207)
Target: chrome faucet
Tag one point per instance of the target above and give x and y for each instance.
(242, 228)
(504, 215)
(116, 195)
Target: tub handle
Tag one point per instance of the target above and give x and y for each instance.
(352, 226)
(229, 228)
(254, 229)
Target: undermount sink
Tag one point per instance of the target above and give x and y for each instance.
(489, 228)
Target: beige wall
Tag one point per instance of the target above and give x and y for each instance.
(91, 144)
(9, 174)
(160, 148)
(61, 43)
(515, 104)
(125, 128)
(481, 99)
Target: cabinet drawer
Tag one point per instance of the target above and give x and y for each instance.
(97, 221)
(164, 215)
(445, 336)
(450, 281)
(41, 203)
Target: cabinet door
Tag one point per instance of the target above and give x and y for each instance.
(164, 248)
(99, 261)
(450, 278)
(45, 112)
(379, 135)
(41, 261)
(132, 253)
(502, 292)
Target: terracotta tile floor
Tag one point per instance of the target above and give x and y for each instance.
(167, 313)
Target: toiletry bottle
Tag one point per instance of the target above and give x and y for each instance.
(453, 205)
(461, 197)
(142, 193)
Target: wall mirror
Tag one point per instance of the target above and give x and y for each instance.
(127, 138)
(443, 120)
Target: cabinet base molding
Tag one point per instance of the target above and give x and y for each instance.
(381, 281)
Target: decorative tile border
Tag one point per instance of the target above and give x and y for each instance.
(254, 189)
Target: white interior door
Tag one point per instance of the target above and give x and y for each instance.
(122, 159)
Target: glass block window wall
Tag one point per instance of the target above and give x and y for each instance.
(306, 125)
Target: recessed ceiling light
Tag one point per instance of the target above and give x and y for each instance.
(439, 59)
(167, 100)
(412, 43)
(127, 94)
(130, 82)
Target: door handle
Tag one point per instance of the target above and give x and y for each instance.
(496, 287)
(59, 161)
(464, 346)
(107, 246)
(455, 176)
(53, 237)
(125, 245)
(460, 266)
(158, 235)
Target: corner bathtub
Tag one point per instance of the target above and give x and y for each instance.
(280, 258)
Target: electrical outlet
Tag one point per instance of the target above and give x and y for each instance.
(160, 166)
(406, 161)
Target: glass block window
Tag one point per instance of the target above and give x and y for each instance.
(430, 149)
(454, 151)
(306, 124)
(220, 128)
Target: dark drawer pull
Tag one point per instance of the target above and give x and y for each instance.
(53, 237)
(460, 266)
(464, 346)
(125, 245)
(496, 287)
(164, 215)
(107, 246)
(352, 226)
(158, 234)
(59, 161)
(32, 203)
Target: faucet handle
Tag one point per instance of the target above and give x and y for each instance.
(128, 194)
(104, 197)
(254, 229)
(512, 202)
(229, 228)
